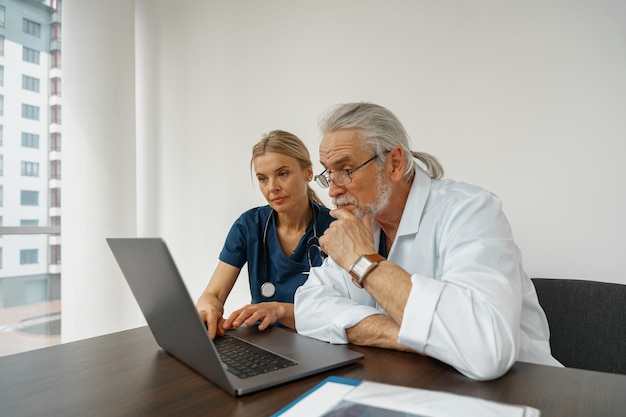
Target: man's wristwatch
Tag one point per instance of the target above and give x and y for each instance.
(363, 266)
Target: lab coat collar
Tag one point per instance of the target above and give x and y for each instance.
(415, 203)
(413, 208)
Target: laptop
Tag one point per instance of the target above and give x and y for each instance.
(160, 291)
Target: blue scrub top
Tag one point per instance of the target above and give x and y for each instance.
(244, 243)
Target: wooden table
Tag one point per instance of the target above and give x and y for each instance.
(127, 374)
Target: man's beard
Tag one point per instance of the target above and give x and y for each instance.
(384, 195)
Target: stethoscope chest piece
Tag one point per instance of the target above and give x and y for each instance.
(268, 289)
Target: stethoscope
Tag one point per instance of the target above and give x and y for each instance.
(268, 289)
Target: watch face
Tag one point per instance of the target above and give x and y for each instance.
(361, 266)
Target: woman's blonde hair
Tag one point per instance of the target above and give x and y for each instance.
(286, 143)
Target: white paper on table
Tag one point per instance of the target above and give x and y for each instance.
(421, 402)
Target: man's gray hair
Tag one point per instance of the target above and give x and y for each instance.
(380, 130)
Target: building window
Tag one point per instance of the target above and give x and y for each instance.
(1, 195)
(55, 59)
(30, 27)
(1, 74)
(55, 221)
(55, 114)
(0, 258)
(30, 83)
(29, 222)
(2, 15)
(1, 135)
(29, 198)
(55, 197)
(30, 140)
(29, 256)
(55, 169)
(1, 45)
(30, 169)
(1, 105)
(55, 141)
(30, 55)
(55, 87)
(55, 32)
(55, 254)
(1, 165)
(30, 112)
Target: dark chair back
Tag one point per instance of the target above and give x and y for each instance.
(587, 322)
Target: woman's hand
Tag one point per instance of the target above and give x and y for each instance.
(212, 317)
(266, 313)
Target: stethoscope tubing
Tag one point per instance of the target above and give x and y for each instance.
(268, 289)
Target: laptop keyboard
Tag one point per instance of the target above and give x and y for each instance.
(245, 360)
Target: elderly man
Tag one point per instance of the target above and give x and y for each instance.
(416, 263)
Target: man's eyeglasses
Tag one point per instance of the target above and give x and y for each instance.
(340, 177)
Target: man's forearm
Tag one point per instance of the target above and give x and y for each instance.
(378, 330)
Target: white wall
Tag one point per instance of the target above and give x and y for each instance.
(526, 99)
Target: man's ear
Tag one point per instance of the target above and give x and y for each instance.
(396, 163)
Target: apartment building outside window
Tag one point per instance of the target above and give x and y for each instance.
(55, 169)
(30, 140)
(55, 57)
(55, 86)
(29, 256)
(55, 114)
(30, 27)
(55, 254)
(30, 55)
(55, 197)
(30, 83)
(29, 198)
(55, 141)
(30, 279)
(30, 169)
(30, 112)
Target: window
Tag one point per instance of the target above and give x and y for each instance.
(55, 86)
(30, 27)
(30, 169)
(55, 141)
(55, 57)
(33, 165)
(29, 222)
(0, 258)
(55, 32)
(29, 198)
(30, 55)
(55, 114)
(55, 254)
(1, 135)
(29, 256)
(30, 140)
(30, 112)
(55, 197)
(55, 169)
(30, 83)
